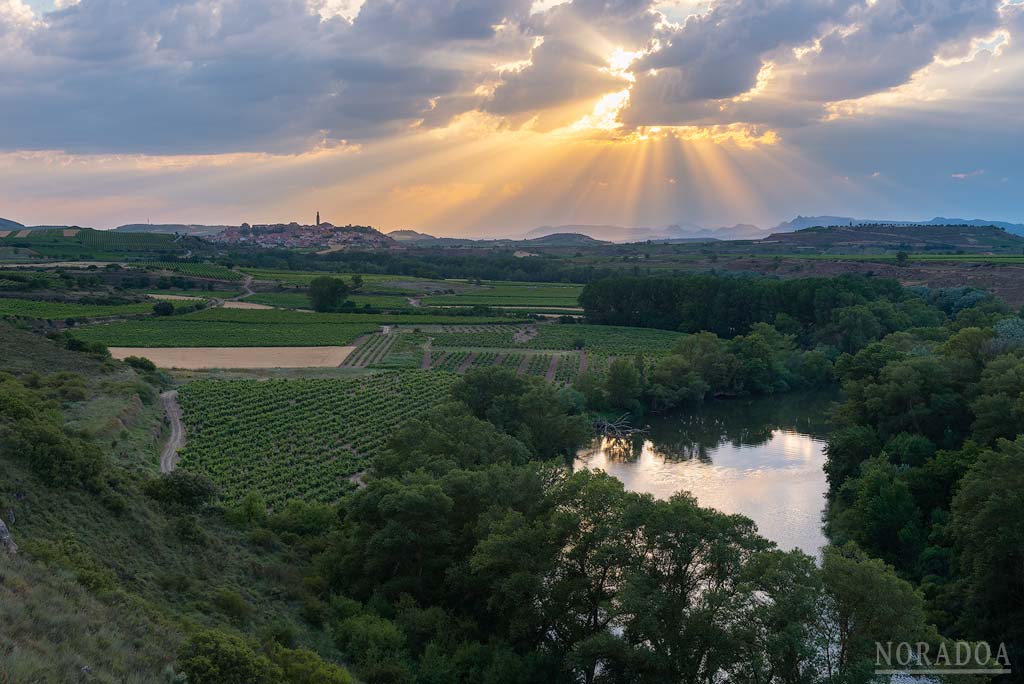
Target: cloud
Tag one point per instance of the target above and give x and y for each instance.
(963, 175)
(284, 77)
(235, 75)
(817, 51)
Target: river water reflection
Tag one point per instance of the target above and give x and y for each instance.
(759, 457)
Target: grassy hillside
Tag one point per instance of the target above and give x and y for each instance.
(113, 577)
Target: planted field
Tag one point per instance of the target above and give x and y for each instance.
(94, 244)
(538, 364)
(284, 316)
(182, 332)
(391, 284)
(60, 310)
(298, 439)
(568, 369)
(512, 294)
(598, 338)
(300, 300)
(209, 271)
(372, 351)
(605, 339)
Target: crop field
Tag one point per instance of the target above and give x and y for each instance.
(512, 294)
(60, 310)
(597, 338)
(298, 439)
(372, 351)
(392, 284)
(208, 271)
(93, 244)
(99, 239)
(179, 331)
(282, 316)
(300, 300)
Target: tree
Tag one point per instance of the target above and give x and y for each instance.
(866, 603)
(623, 385)
(357, 282)
(215, 657)
(163, 309)
(327, 294)
(988, 533)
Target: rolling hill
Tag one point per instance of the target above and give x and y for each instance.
(910, 238)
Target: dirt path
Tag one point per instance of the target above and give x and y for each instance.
(169, 456)
(467, 363)
(414, 302)
(524, 335)
(523, 365)
(247, 286)
(583, 361)
(425, 364)
(552, 369)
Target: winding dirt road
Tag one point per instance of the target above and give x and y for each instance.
(169, 456)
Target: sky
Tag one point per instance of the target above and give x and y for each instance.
(491, 117)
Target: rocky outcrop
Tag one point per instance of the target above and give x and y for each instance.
(6, 541)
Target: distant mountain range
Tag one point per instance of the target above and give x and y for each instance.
(579, 233)
(689, 232)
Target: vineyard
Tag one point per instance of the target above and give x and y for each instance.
(86, 243)
(387, 283)
(512, 294)
(182, 332)
(61, 310)
(300, 300)
(298, 439)
(208, 271)
(371, 352)
(601, 339)
(285, 316)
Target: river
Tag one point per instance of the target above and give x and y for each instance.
(758, 457)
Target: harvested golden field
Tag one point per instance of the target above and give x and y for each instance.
(175, 298)
(246, 305)
(203, 358)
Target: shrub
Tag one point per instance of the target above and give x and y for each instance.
(233, 605)
(215, 657)
(139, 363)
(180, 489)
(163, 309)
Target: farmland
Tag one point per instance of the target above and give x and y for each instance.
(511, 294)
(207, 271)
(279, 316)
(182, 332)
(302, 438)
(601, 339)
(60, 310)
(206, 358)
(86, 243)
(300, 300)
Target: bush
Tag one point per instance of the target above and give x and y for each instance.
(163, 309)
(139, 363)
(215, 657)
(233, 605)
(181, 490)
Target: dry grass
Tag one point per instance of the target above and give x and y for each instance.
(246, 305)
(203, 358)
